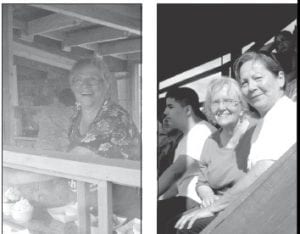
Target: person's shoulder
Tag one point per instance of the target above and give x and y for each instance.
(283, 115)
(203, 129)
(253, 118)
(203, 124)
(115, 107)
(214, 137)
(285, 105)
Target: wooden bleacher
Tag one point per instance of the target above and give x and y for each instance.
(269, 206)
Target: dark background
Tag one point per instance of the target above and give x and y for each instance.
(191, 34)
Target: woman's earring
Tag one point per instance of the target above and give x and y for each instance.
(241, 115)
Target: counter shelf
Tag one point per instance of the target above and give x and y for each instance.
(84, 169)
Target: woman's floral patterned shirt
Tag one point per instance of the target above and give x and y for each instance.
(112, 134)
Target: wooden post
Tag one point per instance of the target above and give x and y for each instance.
(7, 65)
(83, 208)
(105, 207)
(135, 98)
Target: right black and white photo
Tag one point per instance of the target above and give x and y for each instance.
(227, 118)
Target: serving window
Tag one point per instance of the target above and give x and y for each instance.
(46, 188)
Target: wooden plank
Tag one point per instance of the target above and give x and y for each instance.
(287, 223)
(59, 36)
(93, 35)
(115, 64)
(83, 209)
(97, 14)
(120, 47)
(43, 56)
(192, 78)
(264, 204)
(136, 106)
(105, 207)
(119, 56)
(92, 47)
(29, 38)
(134, 57)
(80, 51)
(120, 75)
(84, 168)
(50, 23)
(132, 10)
(22, 25)
(37, 65)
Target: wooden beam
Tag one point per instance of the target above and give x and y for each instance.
(50, 23)
(29, 38)
(120, 56)
(8, 74)
(134, 57)
(85, 168)
(43, 56)
(83, 209)
(60, 36)
(120, 75)
(120, 47)
(37, 65)
(87, 36)
(196, 77)
(81, 52)
(91, 47)
(20, 25)
(115, 64)
(105, 204)
(97, 14)
(132, 10)
(58, 60)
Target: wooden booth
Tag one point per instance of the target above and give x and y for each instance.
(40, 44)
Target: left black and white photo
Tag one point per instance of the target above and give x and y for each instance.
(71, 111)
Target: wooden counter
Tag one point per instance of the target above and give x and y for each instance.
(85, 169)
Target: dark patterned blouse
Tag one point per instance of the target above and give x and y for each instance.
(112, 134)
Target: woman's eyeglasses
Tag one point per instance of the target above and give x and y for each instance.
(78, 82)
(225, 102)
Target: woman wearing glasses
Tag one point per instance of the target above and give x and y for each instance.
(102, 128)
(220, 168)
(99, 125)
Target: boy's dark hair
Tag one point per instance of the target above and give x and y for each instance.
(185, 97)
(286, 34)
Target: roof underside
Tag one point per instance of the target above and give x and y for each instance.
(190, 35)
(80, 30)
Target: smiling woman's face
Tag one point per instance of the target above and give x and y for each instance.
(89, 86)
(260, 86)
(225, 107)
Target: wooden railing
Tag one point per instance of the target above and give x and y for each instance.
(101, 171)
(267, 206)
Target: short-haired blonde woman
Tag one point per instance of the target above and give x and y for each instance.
(102, 128)
(99, 125)
(223, 159)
